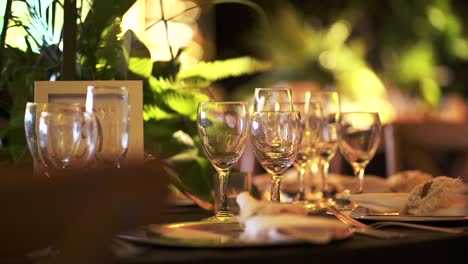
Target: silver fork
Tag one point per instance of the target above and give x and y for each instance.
(361, 228)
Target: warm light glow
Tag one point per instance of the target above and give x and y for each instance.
(437, 18)
(15, 35)
(416, 62)
(338, 33)
(144, 18)
(39, 30)
(155, 39)
(460, 48)
(431, 91)
(328, 60)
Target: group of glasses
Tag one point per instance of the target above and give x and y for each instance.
(283, 132)
(64, 136)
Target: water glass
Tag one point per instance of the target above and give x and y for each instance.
(111, 106)
(272, 99)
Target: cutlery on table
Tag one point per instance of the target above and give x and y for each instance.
(361, 228)
(417, 226)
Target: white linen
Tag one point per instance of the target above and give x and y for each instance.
(395, 202)
(381, 202)
(267, 221)
(293, 227)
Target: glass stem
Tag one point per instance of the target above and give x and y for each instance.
(359, 173)
(275, 189)
(223, 203)
(301, 179)
(314, 171)
(324, 165)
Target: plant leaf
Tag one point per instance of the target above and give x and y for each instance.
(183, 102)
(137, 55)
(213, 71)
(193, 175)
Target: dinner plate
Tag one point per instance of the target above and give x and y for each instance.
(407, 218)
(193, 235)
(197, 235)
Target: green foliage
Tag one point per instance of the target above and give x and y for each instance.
(170, 107)
(96, 34)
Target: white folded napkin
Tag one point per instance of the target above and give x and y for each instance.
(279, 222)
(381, 202)
(395, 202)
(250, 206)
(292, 227)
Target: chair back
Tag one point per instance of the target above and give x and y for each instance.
(437, 148)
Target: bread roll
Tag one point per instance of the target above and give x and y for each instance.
(429, 197)
(405, 181)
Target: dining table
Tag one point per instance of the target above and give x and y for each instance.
(419, 245)
(44, 208)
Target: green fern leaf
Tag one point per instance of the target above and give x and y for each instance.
(216, 70)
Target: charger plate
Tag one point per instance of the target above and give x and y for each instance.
(194, 235)
(198, 235)
(407, 218)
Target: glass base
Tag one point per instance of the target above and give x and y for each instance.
(313, 207)
(228, 218)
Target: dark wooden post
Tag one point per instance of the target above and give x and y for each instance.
(69, 40)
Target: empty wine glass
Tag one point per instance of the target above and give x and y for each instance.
(273, 99)
(276, 137)
(32, 116)
(328, 140)
(222, 127)
(360, 134)
(59, 136)
(111, 106)
(311, 120)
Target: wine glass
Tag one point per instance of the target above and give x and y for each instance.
(32, 116)
(360, 134)
(276, 137)
(60, 133)
(328, 141)
(311, 120)
(222, 127)
(111, 106)
(273, 99)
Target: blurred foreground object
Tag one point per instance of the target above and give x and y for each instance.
(77, 212)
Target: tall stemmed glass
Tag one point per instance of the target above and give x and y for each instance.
(328, 140)
(311, 120)
(273, 99)
(111, 106)
(276, 137)
(360, 134)
(222, 127)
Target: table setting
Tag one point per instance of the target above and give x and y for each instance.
(293, 143)
(271, 221)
